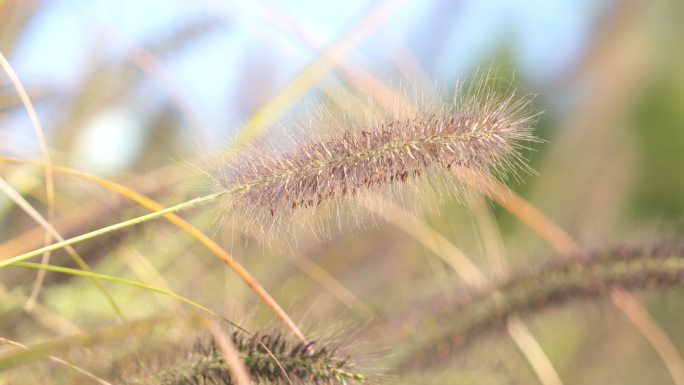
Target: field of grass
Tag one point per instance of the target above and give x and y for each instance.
(329, 218)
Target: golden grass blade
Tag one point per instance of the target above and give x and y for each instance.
(650, 329)
(533, 352)
(49, 179)
(230, 354)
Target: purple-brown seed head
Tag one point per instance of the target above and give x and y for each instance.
(481, 134)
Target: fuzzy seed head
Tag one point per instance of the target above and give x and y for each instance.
(477, 131)
(270, 359)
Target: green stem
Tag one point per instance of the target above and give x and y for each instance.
(104, 277)
(109, 229)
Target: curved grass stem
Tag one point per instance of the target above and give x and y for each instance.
(148, 203)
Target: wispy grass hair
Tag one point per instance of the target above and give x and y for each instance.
(478, 129)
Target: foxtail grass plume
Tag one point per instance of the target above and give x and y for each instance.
(479, 129)
(553, 283)
(269, 359)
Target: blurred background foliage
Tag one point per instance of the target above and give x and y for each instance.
(131, 90)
